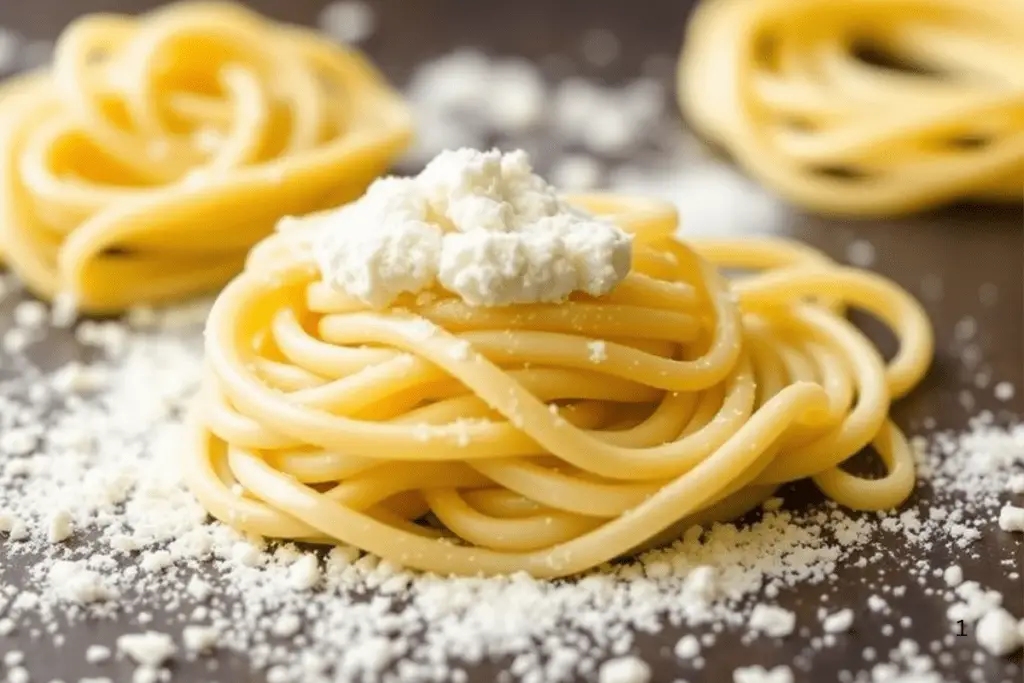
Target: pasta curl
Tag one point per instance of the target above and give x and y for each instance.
(547, 438)
(865, 107)
(155, 151)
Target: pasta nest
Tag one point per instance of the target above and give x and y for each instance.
(155, 151)
(547, 438)
(869, 107)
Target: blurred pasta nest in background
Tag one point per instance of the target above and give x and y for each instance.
(155, 151)
(868, 107)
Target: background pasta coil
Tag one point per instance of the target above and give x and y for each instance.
(156, 151)
(863, 107)
(546, 438)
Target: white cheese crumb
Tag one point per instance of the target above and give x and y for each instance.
(759, 674)
(200, 638)
(304, 574)
(877, 603)
(59, 527)
(347, 21)
(953, 575)
(688, 647)
(772, 621)
(19, 441)
(199, 589)
(30, 314)
(156, 561)
(483, 224)
(150, 649)
(839, 622)
(998, 633)
(286, 625)
(1004, 391)
(624, 670)
(96, 654)
(14, 658)
(598, 351)
(73, 582)
(1011, 518)
(18, 674)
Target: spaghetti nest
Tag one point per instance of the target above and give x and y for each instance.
(863, 106)
(155, 151)
(547, 438)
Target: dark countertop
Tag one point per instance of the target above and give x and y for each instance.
(971, 251)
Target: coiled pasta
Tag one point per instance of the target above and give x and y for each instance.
(155, 151)
(547, 438)
(868, 107)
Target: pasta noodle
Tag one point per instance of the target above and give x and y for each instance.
(863, 107)
(547, 438)
(156, 151)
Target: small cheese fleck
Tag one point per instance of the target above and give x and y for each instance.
(149, 649)
(997, 632)
(839, 622)
(772, 621)
(96, 654)
(953, 575)
(304, 574)
(759, 674)
(1011, 518)
(624, 670)
(59, 527)
(598, 352)
(688, 647)
(200, 638)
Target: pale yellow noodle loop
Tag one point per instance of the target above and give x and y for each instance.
(863, 106)
(565, 435)
(155, 151)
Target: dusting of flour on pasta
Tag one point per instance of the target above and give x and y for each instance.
(481, 224)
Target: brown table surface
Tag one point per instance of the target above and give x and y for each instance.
(968, 248)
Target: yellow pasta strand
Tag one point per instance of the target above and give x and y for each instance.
(155, 151)
(344, 424)
(791, 89)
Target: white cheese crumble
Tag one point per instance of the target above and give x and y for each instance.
(759, 674)
(96, 654)
(481, 224)
(997, 632)
(149, 649)
(347, 21)
(598, 352)
(953, 575)
(1011, 518)
(200, 638)
(624, 670)
(772, 621)
(59, 527)
(839, 622)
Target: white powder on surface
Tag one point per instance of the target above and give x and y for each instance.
(482, 224)
(466, 99)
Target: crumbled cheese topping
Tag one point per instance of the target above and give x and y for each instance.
(481, 224)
